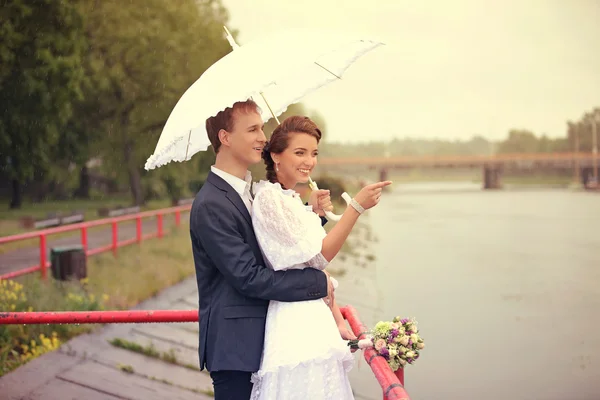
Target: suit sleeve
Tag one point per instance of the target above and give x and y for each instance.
(216, 229)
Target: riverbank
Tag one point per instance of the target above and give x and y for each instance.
(136, 274)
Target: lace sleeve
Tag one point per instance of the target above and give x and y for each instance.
(287, 233)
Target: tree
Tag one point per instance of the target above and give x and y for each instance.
(519, 141)
(40, 79)
(142, 59)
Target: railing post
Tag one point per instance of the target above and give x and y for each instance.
(400, 375)
(115, 237)
(138, 229)
(43, 256)
(178, 218)
(159, 225)
(84, 239)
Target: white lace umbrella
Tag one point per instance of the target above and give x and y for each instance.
(281, 68)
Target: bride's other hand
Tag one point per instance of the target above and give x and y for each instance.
(346, 334)
(320, 200)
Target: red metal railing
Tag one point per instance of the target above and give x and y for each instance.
(97, 317)
(44, 263)
(392, 384)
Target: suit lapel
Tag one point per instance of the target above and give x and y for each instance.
(231, 195)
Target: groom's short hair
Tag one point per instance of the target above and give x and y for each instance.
(225, 120)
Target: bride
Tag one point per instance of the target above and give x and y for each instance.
(305, 355)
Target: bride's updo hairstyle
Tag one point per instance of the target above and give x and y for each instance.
(280, 139)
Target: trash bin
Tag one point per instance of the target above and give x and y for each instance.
(69, 262)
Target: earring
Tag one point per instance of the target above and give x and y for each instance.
(276, 167)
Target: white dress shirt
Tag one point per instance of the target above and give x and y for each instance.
(241, 186)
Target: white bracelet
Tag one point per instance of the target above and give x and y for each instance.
(357, 206)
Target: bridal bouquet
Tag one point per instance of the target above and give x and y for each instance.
(397, 341)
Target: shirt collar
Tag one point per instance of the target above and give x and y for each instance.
(239, 185)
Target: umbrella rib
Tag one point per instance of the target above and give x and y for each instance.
(188, 144)
(316, 63)
(269, 106)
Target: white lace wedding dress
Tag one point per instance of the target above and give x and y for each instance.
(304, 356)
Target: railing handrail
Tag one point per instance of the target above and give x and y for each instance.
(97, 317)
(88, 224)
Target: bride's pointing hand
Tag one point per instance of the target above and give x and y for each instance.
(369, 195)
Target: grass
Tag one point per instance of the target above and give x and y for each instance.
(138, 273)
(150, 351)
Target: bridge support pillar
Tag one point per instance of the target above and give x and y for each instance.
(383, 174)
(587, 178)
(492, 177)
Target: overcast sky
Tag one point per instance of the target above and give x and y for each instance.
(450, 68)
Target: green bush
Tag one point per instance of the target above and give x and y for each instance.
(21, 343)
(336, 186)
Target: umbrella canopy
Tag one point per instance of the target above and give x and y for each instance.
(280, 68)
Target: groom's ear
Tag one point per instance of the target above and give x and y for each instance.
(224, 137)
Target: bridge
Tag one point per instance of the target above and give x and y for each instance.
(584, 165)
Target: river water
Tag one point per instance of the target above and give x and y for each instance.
(505, 286)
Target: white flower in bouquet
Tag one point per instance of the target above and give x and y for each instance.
(420, 345)
(404, 340)
(410, 354)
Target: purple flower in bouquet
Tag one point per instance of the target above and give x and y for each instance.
(384, 352)
(403, 321)
(395, 333)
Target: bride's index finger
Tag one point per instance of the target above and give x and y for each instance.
(382, 184)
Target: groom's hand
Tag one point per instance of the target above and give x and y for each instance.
(330, 291)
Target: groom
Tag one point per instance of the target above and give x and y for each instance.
(234, 285)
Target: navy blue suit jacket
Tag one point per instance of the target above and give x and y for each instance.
(234, 285)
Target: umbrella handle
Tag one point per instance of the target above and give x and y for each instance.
(330, 216)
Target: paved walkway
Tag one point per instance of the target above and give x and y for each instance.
(89, 367)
